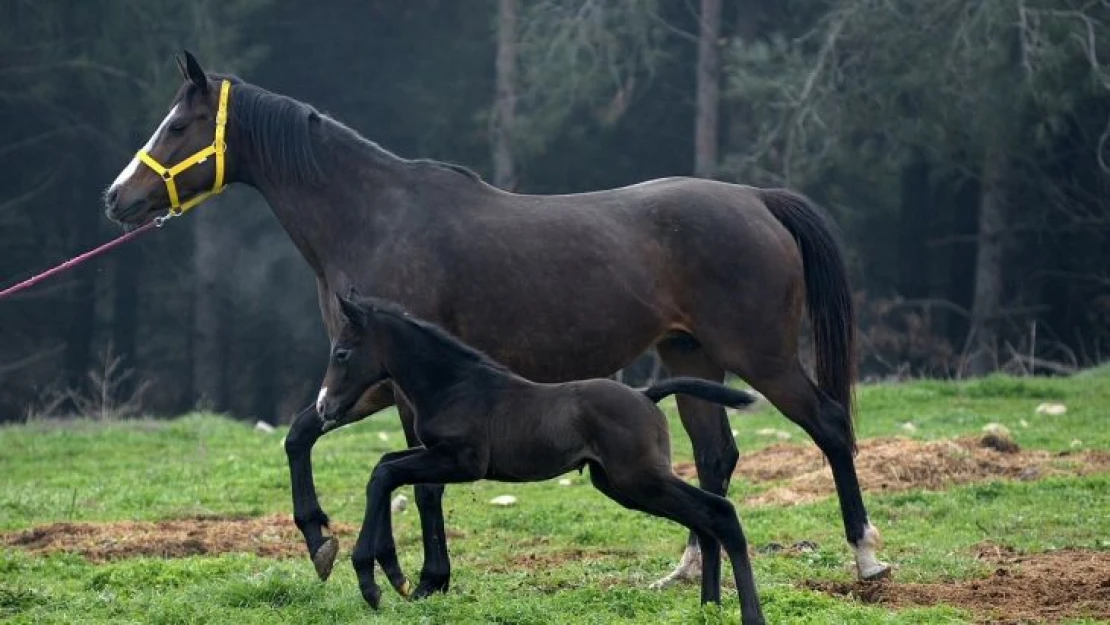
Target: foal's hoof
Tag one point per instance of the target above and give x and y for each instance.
(428, 587)
(324, 558)
(372, 593)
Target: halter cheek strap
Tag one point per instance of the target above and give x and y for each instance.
(217, 149)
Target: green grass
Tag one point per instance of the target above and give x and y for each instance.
(201, 464)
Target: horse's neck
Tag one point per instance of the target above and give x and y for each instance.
(328, 222)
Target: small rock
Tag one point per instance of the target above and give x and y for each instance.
(997, 429)
(399, 503)
(1051, 408)
(1024, 423)
(382, 436)
(503, 500)
(909, 427)
(564, 482)
(263, 427)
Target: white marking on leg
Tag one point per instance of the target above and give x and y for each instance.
(867, 565)
(320, 399)
(688, 568)
(133, 166)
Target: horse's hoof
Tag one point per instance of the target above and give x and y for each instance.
(405, 589)
(430, 587)
(324, 558)
(372, 593)
(879, 572)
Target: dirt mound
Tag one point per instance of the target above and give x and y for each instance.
(273, 536)
(801, 475)
(1045, 587)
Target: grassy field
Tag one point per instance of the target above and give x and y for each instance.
(563, 554)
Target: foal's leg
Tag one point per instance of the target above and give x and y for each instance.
(715, 451)
(709, 516)
(413, 466)
(435, 576)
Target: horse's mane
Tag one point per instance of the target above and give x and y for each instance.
(443, 338)
(278, 129)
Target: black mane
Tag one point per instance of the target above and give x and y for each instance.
(278, 131)
(443, 338)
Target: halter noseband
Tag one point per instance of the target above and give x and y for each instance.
(217, 148)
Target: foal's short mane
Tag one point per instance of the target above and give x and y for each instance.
(278, 129)
(445, 339)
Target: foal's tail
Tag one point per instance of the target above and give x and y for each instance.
(702, 389)
(828, 296)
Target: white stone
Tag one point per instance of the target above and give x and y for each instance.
(503, 500)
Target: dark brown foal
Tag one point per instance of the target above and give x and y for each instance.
(478, 420)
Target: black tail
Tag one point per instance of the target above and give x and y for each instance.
(702, 389)
(828, 296)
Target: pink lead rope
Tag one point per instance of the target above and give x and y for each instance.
(77, 260)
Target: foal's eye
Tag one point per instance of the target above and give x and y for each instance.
(342, 355)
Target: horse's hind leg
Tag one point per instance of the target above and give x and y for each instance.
(715, 451)
(828, 424)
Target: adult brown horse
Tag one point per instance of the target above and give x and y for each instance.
(716, 276)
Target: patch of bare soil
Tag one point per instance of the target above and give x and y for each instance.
(543, 560)
(273, 536)
(799, 474)
(1033, 588)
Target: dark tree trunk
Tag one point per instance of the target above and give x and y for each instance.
(913, 229)
(708, 90)
(209, 312)
(986, 304)
(125, 313)
(504, 114)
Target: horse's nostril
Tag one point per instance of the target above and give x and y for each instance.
(111, 197)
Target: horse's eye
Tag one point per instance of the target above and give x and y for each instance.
(342, 355)
(178, 127)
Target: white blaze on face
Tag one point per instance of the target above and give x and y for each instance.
(133, 166)
(321, 399)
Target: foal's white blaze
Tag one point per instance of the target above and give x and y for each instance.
(867, 565)
(133, 166)
(320, 399)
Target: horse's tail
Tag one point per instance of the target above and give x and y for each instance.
(828, 296)
(702, 389)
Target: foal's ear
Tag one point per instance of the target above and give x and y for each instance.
(354, 313)
(194, 73)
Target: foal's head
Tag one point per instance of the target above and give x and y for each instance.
(184, 160)
(355, 364)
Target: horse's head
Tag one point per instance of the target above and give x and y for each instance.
(183, 162)
(355, 364)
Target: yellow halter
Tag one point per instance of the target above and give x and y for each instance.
(217, 148)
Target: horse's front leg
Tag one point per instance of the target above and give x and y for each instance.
(310, 518)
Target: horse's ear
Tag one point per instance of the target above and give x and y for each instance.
(194, 73)
(354, 313)
(180, 60)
